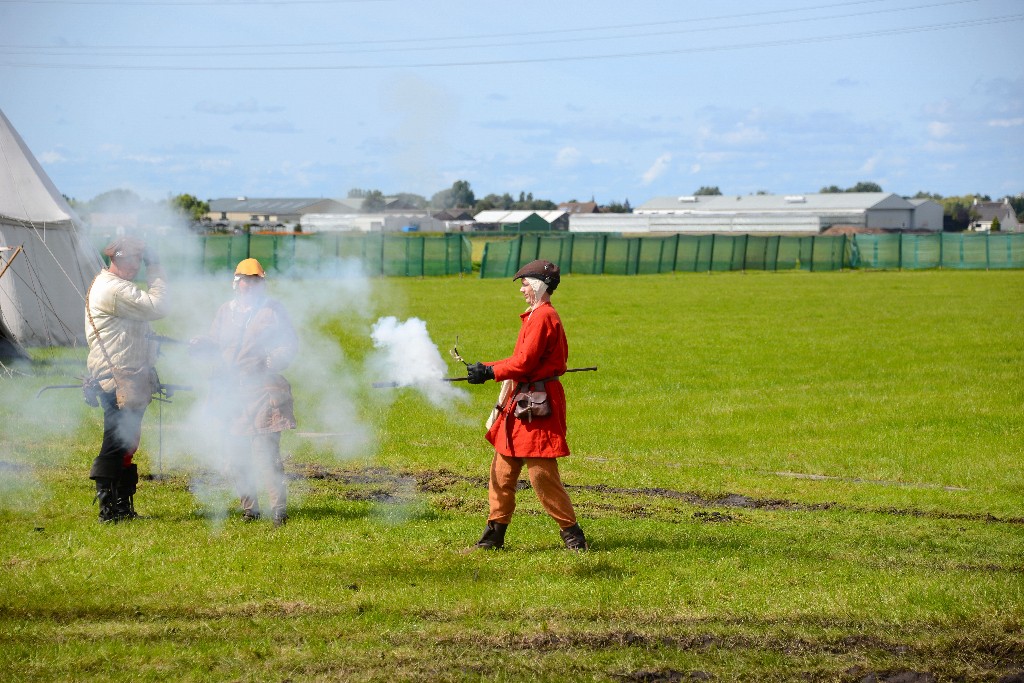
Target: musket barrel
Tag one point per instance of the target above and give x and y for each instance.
(393, 385)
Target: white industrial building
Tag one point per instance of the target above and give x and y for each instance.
(764, 213)
(415, 221)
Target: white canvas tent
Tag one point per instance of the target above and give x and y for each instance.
(46, 267)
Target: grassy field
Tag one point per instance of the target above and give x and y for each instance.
(783, 476)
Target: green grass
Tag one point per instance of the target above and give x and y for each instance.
(784, 476)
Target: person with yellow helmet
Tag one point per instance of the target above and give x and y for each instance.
(253, 340)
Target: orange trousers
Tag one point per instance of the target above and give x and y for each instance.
(546, 482)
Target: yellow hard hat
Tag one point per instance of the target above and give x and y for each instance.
(250, 266)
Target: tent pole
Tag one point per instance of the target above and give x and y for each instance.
(11, 260)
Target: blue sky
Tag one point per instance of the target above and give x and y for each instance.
(565, 100)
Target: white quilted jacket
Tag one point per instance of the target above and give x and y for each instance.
(122, 312)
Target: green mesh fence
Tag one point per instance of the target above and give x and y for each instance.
(964, 251)
(617, 255)
(317, 254)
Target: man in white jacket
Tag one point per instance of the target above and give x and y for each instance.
(122, 359)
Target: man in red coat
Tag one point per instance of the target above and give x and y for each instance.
(535, 439)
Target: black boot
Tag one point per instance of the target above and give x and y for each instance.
(574, 538)
(126, 487)
(107, 497)
(494, 536)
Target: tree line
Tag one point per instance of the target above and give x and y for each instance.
(959, 211)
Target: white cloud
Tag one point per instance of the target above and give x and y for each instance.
(743, 134)
(869, 165)
(214, 164)
(938, 129)
(567, 156)
(1007, 123)
(657, 169)
(51, 157)
(695, 168)
(270, 127)
(943, 147)
(249, 106)
(145, 159)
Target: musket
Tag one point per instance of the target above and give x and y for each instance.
(58, 386)
(165, 391)
(392, 385)
(161, 339)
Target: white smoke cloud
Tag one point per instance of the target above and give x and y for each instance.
(332, 308)
(325, 382)
(40, 427)
(407, 358)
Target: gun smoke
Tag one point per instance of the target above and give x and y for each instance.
(329, 309)
(407, 358)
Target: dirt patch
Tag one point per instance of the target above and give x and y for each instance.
(859, 675)
(389, 484)
(666, 676)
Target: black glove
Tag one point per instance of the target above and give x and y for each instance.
(479, 373)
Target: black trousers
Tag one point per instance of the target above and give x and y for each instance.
(122, 431)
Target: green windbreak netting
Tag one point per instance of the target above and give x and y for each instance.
(693, 253)
(318, 254)
(945, 250)
(617, 255)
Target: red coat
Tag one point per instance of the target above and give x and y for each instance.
(541, 352)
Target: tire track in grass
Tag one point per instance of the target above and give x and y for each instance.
(383, 485)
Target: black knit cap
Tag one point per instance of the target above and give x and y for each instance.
(545, 271)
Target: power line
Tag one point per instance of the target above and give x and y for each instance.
(462, 45)
(536, 60)
(185, 3)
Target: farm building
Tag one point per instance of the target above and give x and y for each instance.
(986, 213)
(273, 211)
(410, 221)
(806, 213)
(522, 221)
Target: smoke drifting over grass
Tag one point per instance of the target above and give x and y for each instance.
(39, 430)
(347, 342)
(407, 358)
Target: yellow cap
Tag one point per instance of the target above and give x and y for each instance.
(250, 266)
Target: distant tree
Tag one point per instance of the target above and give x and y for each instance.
(416, 200)
(116, 201)
(865, 186)
(862, 186)
(494, 201)
(442, 199)
(616, 207)
(1018, 206)
(527, 202)
(356, 193)
(959, 212)
(928, 195)
(761, 192)
(707, 191)
(462, 194)
(190, 205)
(996, 225)
(374, 201)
